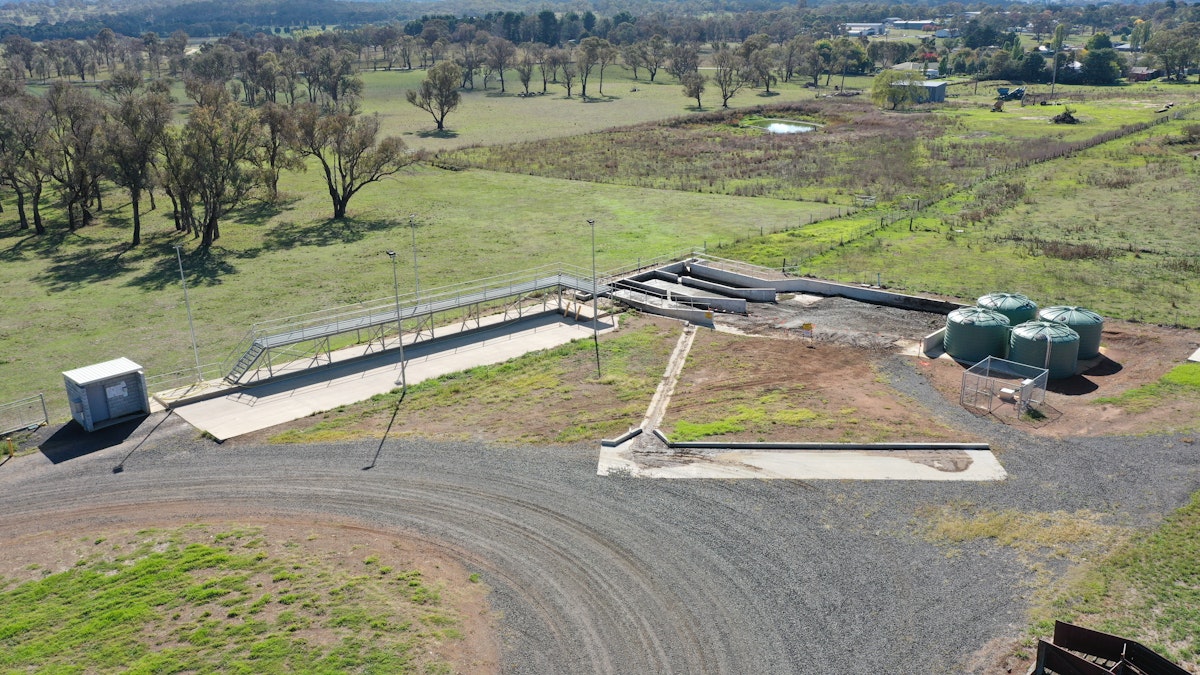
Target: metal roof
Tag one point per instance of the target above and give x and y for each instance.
(102, 371)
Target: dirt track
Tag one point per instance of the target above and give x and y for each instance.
(622, 575)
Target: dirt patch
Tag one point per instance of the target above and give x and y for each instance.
(1134, 355)
(747, 388)
(48, 546)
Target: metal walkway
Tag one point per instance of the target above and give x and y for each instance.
(312, 336)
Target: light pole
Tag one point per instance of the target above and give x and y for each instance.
(412, 223)
(191, 326)
(399, 325)
(595, 303)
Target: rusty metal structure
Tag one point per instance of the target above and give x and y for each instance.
(1081, 651)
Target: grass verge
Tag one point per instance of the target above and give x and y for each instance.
(1183, 381)
(198, 599)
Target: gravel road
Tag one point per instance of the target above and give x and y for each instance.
(620, 575)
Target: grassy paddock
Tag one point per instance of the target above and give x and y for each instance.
(1109, 228)
(85, 297)
(202, 600)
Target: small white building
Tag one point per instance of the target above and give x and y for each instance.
(107, 393)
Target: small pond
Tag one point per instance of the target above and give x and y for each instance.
(781, 126)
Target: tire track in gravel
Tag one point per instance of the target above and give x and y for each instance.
(620, 575)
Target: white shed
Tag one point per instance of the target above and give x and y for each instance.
(107, 393)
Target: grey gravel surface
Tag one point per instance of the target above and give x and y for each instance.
(621, 575)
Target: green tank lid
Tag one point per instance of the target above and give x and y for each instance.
(1018, 308)
(1031, 340)
(974, 333)
(1087, 323)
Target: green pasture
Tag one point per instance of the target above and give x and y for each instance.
(1146, 590)
(173, 601)
(85, 297)
(1111, 228)
(487, 117)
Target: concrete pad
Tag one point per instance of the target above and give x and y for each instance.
(950, 465)
(275, 402)
(1195, 356)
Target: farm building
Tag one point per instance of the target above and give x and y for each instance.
(1143, 73)
(934, 91)
(865, 29)
(925, 69)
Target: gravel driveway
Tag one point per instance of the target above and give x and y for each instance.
(623, 575)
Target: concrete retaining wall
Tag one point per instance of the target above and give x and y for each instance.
(700, 316)
(702, 445)
(749, 294)
(736, 305)
(933, 343)
(612, 443)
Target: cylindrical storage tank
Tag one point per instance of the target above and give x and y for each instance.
(1030, 340)
(1087, 323)
(975, 333)
(1015, 306)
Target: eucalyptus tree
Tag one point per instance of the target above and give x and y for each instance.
(499, 57)
(75, 130)
(25, 147)
(349, 151)
(216, 145)
(438, 94)
(728, 74)
(132, 136)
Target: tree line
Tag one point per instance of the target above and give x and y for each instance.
(234, 144)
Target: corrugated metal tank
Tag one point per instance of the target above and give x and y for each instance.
(1087, 323)
(1030, 340)
(1015, 306)
(975, 333)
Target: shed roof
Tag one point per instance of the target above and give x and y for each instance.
(102, 371)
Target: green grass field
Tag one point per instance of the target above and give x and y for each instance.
(196, 599)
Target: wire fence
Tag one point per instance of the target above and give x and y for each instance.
(23, 414)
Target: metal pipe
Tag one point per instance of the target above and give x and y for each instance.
(191, 326)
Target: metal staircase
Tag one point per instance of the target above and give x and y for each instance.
(245, 362)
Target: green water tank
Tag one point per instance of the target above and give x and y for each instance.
(975, 333)
(1087, 323)
(1030, 340)
(1015, 306)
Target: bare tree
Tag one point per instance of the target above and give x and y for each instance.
(345, 145)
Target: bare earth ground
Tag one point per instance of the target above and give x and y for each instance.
(48, 545)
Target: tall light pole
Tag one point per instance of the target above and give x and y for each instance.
(412, 224)
(595, 298)
(399, 325)
(191, 326)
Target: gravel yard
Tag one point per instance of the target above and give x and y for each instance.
(623, 575)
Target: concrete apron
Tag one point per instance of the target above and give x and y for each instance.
(648, 455)
(276, 402)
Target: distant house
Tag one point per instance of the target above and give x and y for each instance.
(929, 69)
(865, 29)
(933, 91)
(946, 33)
(1143, 74)
(914, 24)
